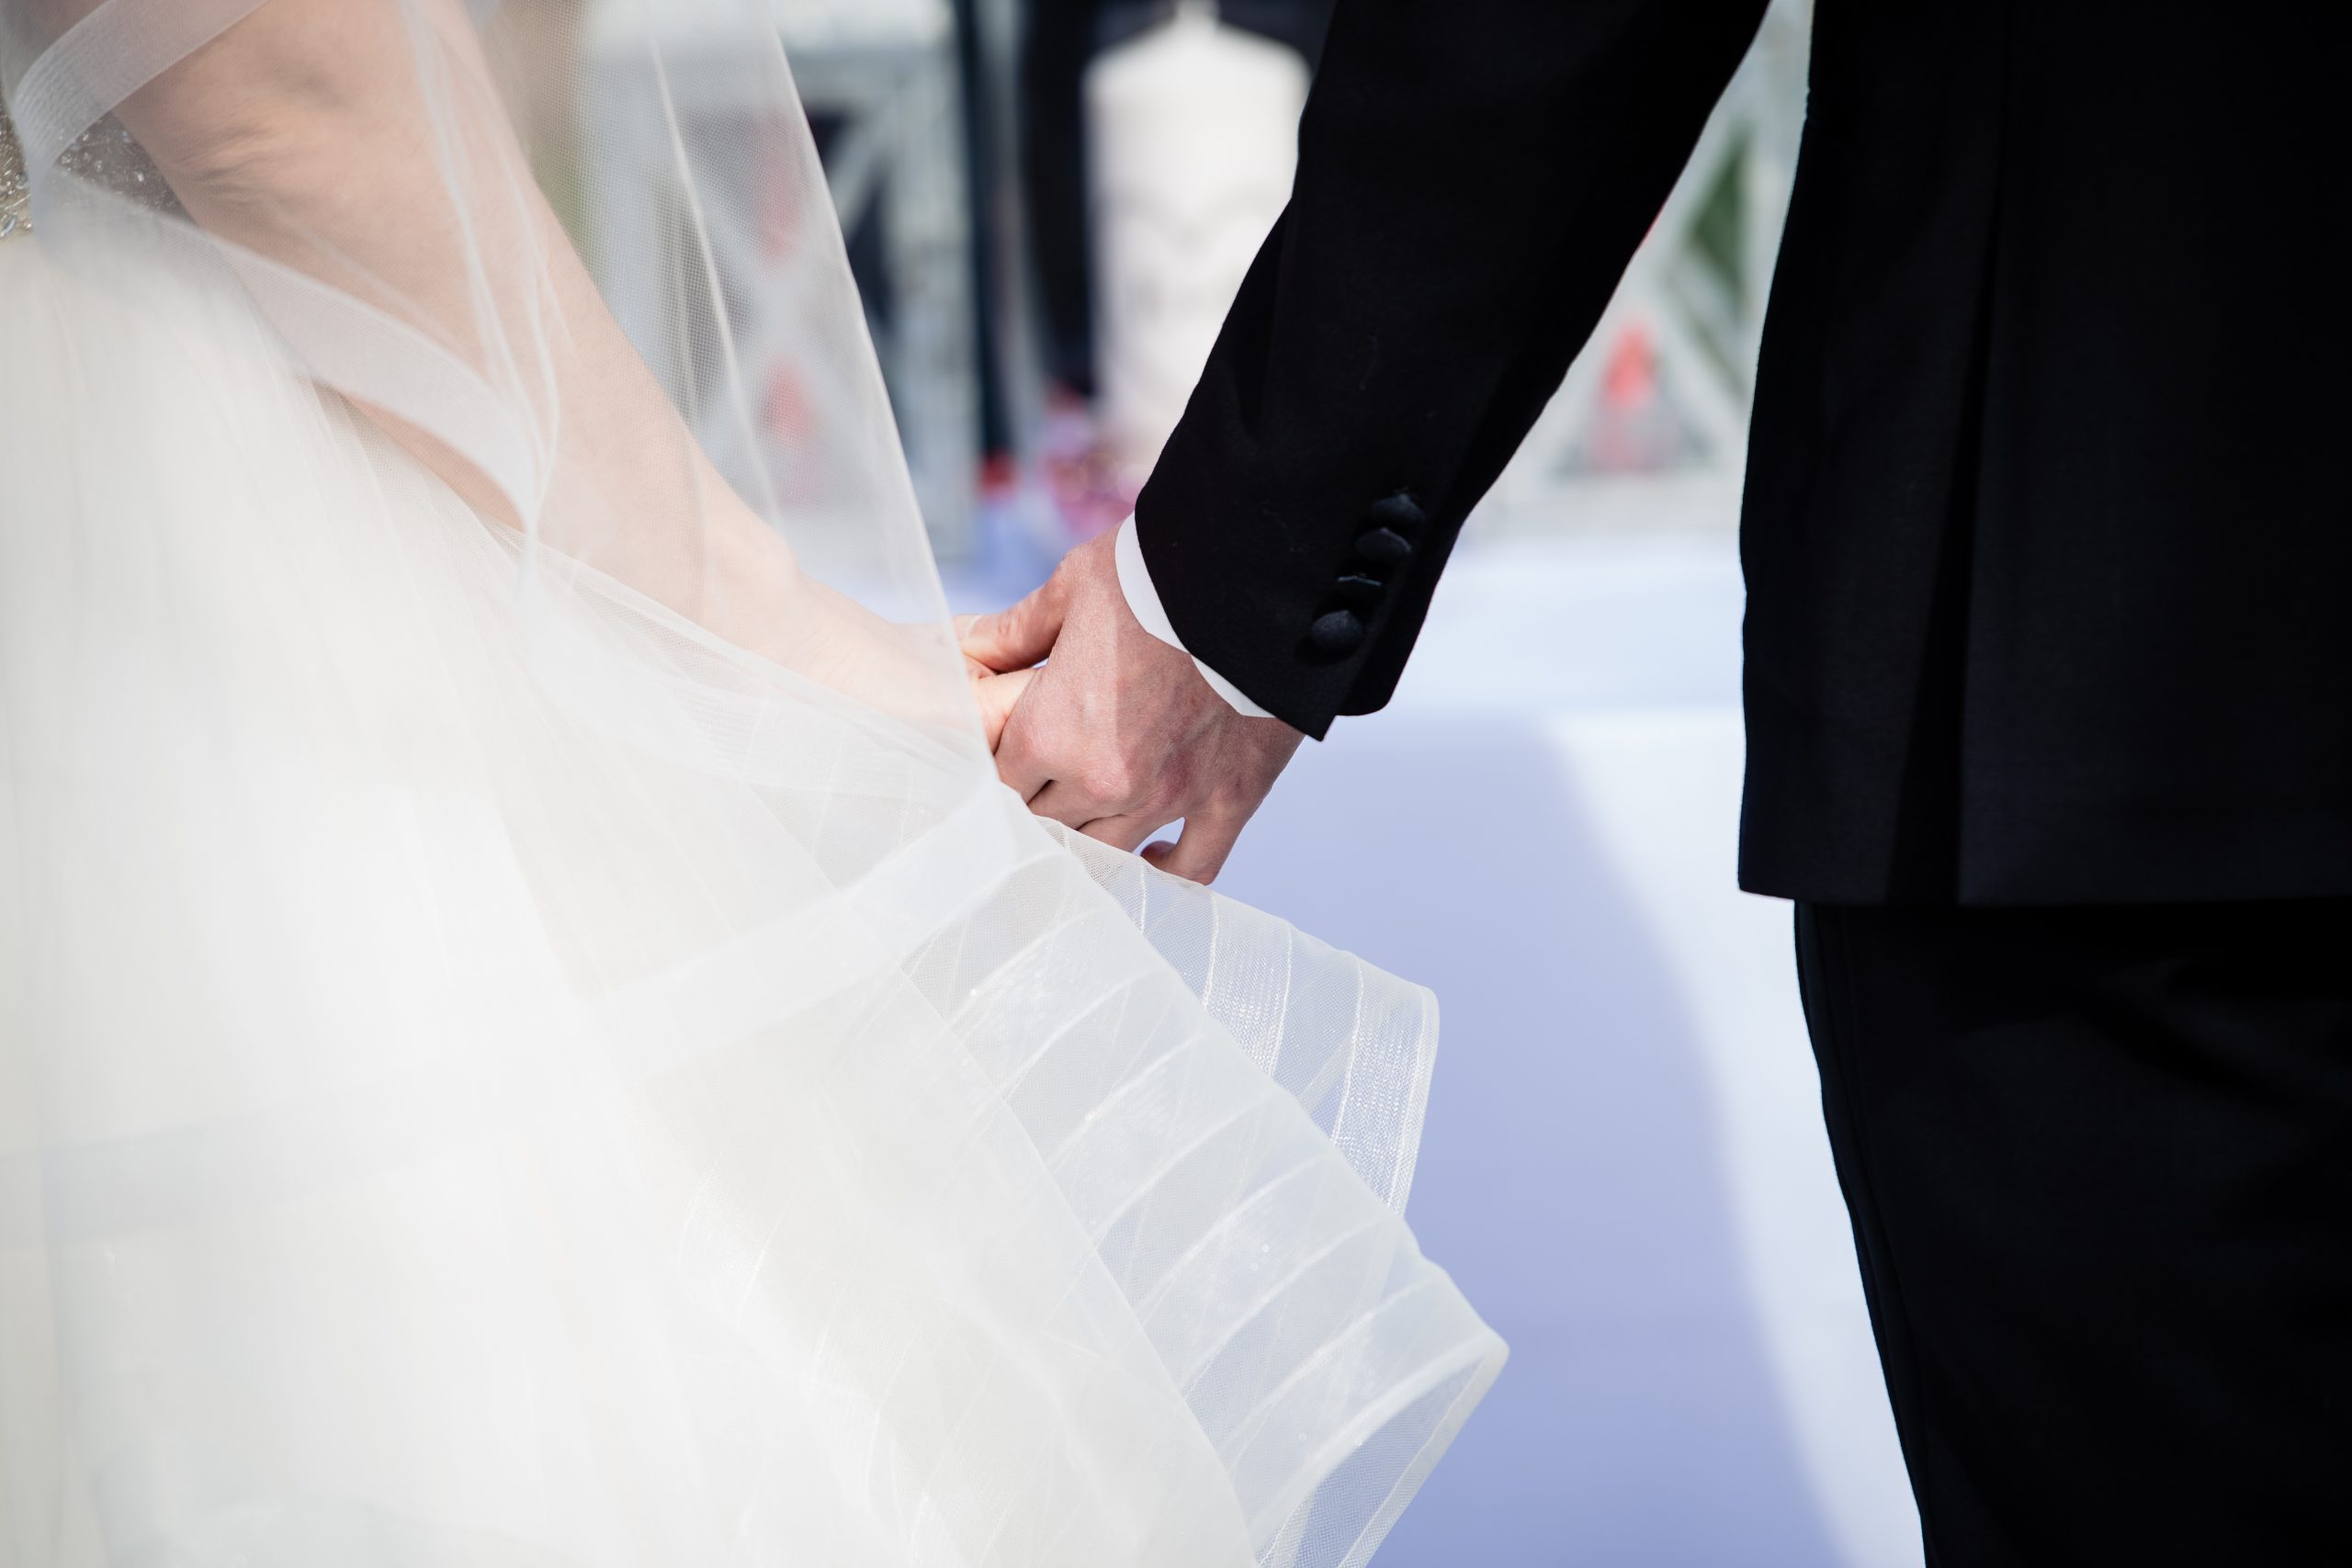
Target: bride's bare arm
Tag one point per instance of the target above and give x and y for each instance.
(303, 133)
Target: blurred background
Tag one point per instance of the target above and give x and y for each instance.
(1049, 204)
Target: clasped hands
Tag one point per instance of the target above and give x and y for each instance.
(1098, 724)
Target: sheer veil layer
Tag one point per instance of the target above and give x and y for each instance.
(529, 1033)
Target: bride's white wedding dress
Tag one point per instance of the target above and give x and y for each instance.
(493, 1072)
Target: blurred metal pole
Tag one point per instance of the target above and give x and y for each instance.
(991, 33)
(983, 158)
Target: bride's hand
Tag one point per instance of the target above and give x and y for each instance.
(994, 691)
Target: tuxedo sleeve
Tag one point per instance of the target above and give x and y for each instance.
(1473, 177)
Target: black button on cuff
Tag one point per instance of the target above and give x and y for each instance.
(1383, 547)
(1336, 633)
(1400, 514)
(1390, 526)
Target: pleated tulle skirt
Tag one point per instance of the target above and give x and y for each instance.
(490, 1077)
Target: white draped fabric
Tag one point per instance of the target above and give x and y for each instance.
(529, 1033)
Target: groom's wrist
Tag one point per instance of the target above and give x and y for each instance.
(1142, 602)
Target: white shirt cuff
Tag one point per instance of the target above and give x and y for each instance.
(1142, 602)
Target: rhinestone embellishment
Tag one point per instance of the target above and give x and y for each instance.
(16, 188)
(106, 156)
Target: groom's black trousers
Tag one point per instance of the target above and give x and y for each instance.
(2099, 1166)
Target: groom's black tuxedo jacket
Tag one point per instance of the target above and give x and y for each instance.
(2048, 528)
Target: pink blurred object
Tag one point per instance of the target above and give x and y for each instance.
(1092, 490)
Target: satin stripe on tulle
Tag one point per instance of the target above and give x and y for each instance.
(80, 1193)
(102, 59)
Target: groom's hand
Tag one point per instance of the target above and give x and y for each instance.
(1118, 735)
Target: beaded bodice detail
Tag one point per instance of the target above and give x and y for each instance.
(16, 186)
(106, 155)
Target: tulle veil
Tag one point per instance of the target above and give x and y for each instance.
(511, 1050)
